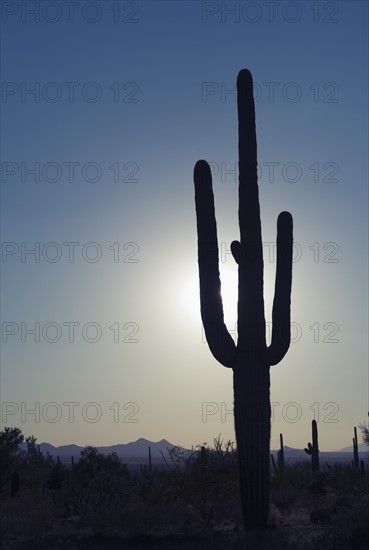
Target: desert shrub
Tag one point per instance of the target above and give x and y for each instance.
(343, 479)
(212, 488)
(57, 476)
(199, 488)
(318, 484)
(348, 526)
(299, 475)
(22, 466)
(94, 488)
(138, 519)
(28, 518)
(10, 456)
(285, 498)
(289, 486)
(197, 491)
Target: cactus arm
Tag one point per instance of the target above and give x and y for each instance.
(220, 342)
(309, 449)
(281, 321)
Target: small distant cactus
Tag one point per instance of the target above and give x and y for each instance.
(280, 454)
(356, 450)
(279, 466)
(313, 449)
(150, 463)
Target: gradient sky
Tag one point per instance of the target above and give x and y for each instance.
(127, 97)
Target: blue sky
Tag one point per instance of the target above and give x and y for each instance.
(127, 97)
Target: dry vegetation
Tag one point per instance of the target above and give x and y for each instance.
(192, 502)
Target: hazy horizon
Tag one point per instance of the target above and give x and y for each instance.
(106, 107)
(362, 447)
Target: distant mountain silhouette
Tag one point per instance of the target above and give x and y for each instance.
(135, 449)
(139, 448)
(361, 447)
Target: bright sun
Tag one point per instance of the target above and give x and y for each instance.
(189, 296)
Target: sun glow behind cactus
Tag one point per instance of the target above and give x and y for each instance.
(229, 292)
(189, 298)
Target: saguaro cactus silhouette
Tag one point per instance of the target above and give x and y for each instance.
(280, 455)
(356, 449)
(250, 359)
(313, 449)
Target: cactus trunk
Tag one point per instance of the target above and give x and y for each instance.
(251, 358)
(252, 427)
(281, 453)
(356, 450)
(150, 465)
